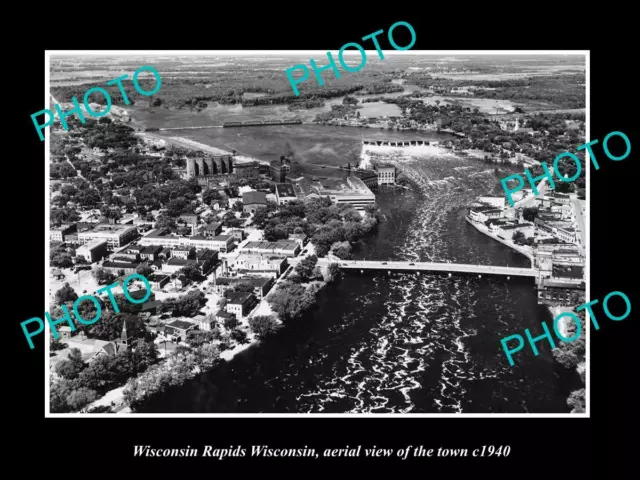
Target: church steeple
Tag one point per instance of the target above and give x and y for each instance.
(123, 335)
(125, 341)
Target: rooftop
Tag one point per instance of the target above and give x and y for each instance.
(255, 281)
(249, 198)
(181, 324)
(285, 190)
(238, 297)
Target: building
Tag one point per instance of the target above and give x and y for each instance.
(238, 235)
(182, 251)
(222, 243)
(351, 191)
(239, 303)
(285, 193)
(222, 315)
(210, 168)
(178, 329)
(557, 292)
(93, 251)
(116, 267)
(251, 201)
(212, 229)
(206, 324)
(279, 170)
(151, 253)
(180, 282)
(189, 219)
(129, 254)
(482, 214)
(58, 234)
(247, 170)
(261, 285)
(561, 230)
(370, 178)
(386, 174)
(113, 347)
(287, 248)
(175, 264)
(158, 281)
(561, 198)
(115, 235)
(256, 263)
(507, 231)
(64, 332)
(300, 238)
(495, 202)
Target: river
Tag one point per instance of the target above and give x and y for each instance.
(401, 343)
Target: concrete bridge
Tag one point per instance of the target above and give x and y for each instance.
(436, 267)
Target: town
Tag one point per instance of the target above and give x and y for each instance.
(231, 247)
(252, 211)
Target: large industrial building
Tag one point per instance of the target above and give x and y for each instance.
(353, 191)
(279, 170)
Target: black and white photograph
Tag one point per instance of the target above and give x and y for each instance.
(276, 233)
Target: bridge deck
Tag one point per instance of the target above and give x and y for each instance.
(436, 267)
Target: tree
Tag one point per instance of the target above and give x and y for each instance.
(56, 345)
(185, 306)
(244, 287)
(341, 250)
(210, 196)
(78, 399)
(518, 238)
(304, 269)
(191, 271)
(145, 270)
(102, 276)
(71, 367)
(333, 273)
(65, 294)
(237, 206)
(530, 213)
(263, 325)
(239, 336)
(231, 322)
(290, 302)
(58, 392)
(60, 259)
(576, 401)
(261, 216)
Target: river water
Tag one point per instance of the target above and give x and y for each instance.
(394, 343)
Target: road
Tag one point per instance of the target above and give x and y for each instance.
(427, 267)
(580, 224)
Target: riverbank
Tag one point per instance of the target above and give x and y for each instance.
(524, 250)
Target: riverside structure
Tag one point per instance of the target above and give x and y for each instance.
(549, 175)
(585, 306)
(67, 317)
(332, 63)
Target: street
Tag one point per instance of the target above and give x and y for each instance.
(580, 223)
